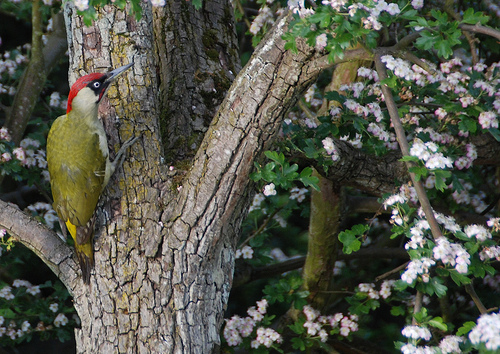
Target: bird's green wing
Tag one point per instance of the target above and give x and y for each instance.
(76, 166)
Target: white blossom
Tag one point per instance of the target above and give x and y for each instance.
(487, 331)
(269, 190)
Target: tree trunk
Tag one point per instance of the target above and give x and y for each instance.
(164, 261)
(197, 56)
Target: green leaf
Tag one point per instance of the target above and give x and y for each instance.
(350, 242)
(437, 322)
(400, 285)
(290, 44)
(197, 4)
(360, 229)
(444, 48)
(275, 156)
(441, 177)
(7, 313)
(434, 286)
(398, 311)
(335, 96)
(459, 279)
(89, 15)
(419, 171)
(257, 175)
(466, 328)
(427, 40)
(137, 9)
(290, 170)
(467, 125)
(267, 172)
(308, 180)
(409, 15)
(298, 343)
(441, 17)
(472, 18)
(120, 4)
(420, 22)
(421, 316)
(489, 269)
(462, 236)
(495, 132)
(298, 326)
(391, 81)
(409, 158)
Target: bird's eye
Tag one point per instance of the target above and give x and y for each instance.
(97, 84)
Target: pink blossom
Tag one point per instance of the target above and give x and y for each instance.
(488, 120)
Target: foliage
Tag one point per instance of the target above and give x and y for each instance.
(28, 310)
(442, 108)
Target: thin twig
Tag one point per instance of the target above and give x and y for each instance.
(416, 60)
(418, 306)
(405, 148)
(391, 272)
(481, 29)
(309, 114)
(261, 228)
(470, 290)
(448, 7)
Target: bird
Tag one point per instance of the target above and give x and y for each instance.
(78, 162)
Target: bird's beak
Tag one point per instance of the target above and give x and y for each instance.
(113, 75)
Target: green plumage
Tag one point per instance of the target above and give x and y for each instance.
(77, 167)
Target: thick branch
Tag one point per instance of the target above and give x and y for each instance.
(205, 220)
(43, 242)
(248, 120)
(326, 213)
(375, 175)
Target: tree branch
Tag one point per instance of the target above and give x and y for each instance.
(375, 175)
(405, 148)
(43, 242)
(477, 301)
(244, 273)
(42, 61)
(481, 29)
(247, 122)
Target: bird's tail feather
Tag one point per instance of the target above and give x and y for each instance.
(84, 251)
(86, 260)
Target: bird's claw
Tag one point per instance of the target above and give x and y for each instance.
(120, 155)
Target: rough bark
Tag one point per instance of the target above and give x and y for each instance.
(165, 256)
(208, 213)
(122, 309)
(197, 55)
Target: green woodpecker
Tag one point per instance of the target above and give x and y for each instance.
(78, 162)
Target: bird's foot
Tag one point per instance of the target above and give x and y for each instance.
(120, 155)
